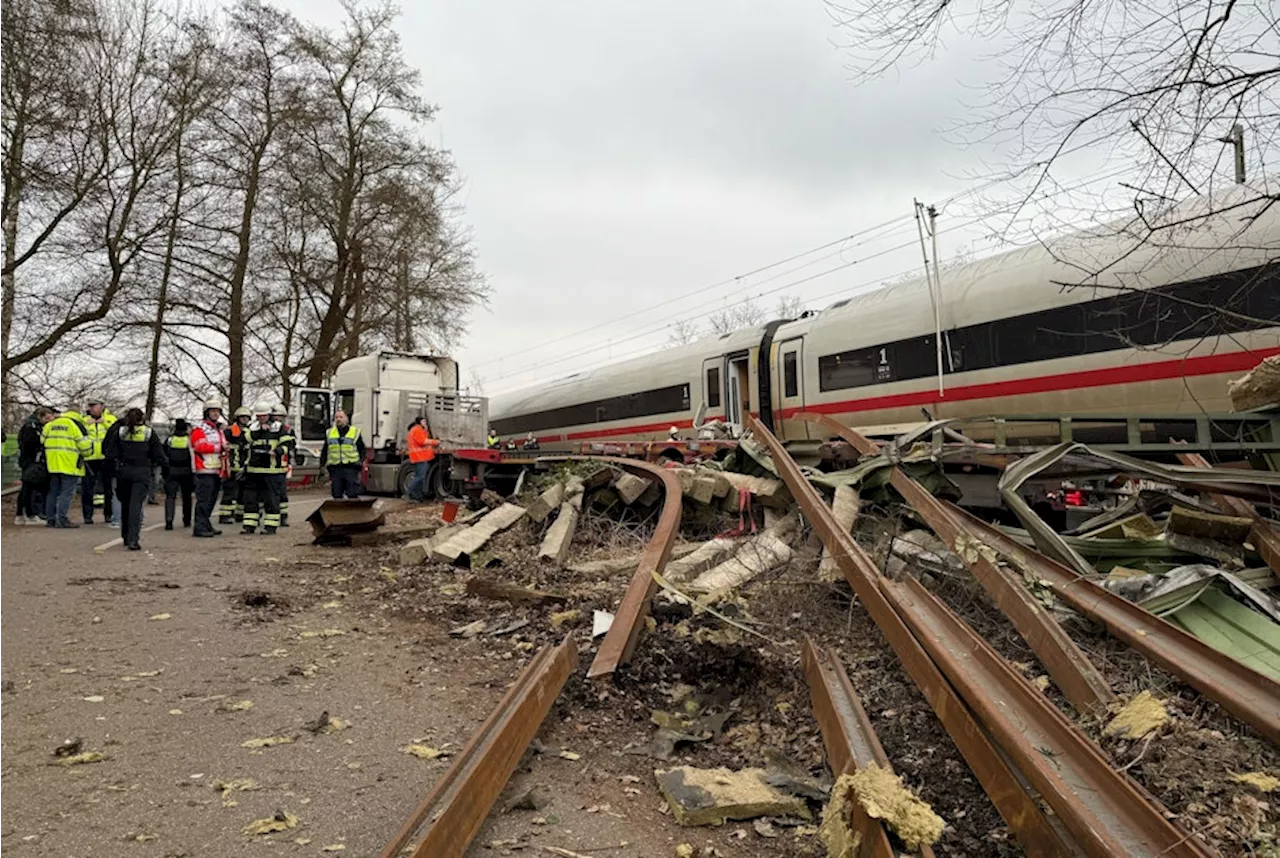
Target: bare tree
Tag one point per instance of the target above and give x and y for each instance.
(682, 333)
(51, 160)
(789, 307)
(1154, 89)
(743, 314)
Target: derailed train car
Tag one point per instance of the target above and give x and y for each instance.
(1173, 315)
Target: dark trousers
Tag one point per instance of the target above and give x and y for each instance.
(31, 499)
(280, 483)
(95, 486)
(177, 484)
(232, 499)
(57, 503)
(133, 496)
(344, 481)
(262, 501)
(206, 498)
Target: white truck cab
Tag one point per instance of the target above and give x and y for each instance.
(382, 394)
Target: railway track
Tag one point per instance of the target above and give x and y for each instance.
(1056, 789)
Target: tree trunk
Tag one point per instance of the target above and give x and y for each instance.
(8, 282)
(166, 273)
(235, 313)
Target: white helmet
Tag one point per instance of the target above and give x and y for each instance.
(278, 408)
(211, 403)
(262, 408)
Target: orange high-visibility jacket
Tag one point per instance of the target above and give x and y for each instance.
(422, 447)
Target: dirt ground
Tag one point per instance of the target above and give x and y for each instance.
(148, 658)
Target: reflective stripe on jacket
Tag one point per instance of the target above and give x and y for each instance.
(66, 444)
(270, 451)
(208, 448)
(177, 449)
(97, 431)
(340, 447)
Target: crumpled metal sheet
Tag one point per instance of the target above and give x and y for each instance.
(1047, 540)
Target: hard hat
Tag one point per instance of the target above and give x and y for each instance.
(242, 411)
(94, 400)
(262, 408)
(213, 402)
(278, 408)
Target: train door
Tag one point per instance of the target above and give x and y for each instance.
(789, 398)
(738, 390)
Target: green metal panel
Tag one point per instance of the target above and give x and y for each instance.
(1230, 627)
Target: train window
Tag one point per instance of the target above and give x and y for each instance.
(713, 387)
(850, 369)
(790, 375)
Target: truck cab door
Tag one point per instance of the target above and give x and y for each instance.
(315, 413)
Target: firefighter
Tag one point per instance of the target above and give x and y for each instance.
(264, 472)
(66, 444)
(342, 453)
(290, 443)
(176, 470)
(209, 466)
(492, 441)
(237, 435)
(95, 485)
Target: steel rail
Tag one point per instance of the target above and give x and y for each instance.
(1248, 695)
(999, 780)
(850, 740)
(1077, 677)
(1263, 535)
(620, 641)
(458, 804)
(1106, 812)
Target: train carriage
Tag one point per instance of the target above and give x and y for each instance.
(1174, 316)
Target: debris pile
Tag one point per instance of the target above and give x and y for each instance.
(708, 700)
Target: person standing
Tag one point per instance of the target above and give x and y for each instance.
(176, 470)
(268, 464)
(290, 444)
(421, 449)
(35, 475)
(237, 435)
(342, 453)
(66, 443)
(133, 449)
(31, 463)
(95, 486)
(208, 466)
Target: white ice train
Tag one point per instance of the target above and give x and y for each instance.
(1161, 331)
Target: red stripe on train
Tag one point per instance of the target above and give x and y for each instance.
(1132, 374)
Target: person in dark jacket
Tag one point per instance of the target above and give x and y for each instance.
(30, 451)
(177, 474)
(135, 450)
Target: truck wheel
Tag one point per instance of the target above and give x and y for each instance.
(403, 479)
(442, 482)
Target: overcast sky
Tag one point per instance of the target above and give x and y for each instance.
(621, 158)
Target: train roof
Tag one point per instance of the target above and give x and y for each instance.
(1230, 230)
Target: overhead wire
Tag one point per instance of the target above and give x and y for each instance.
(655, 327)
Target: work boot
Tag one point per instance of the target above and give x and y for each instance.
(133, 546)
(206, 534)
(168, 525)
(69, 525)
(226, 519)
(271, 531)
(247, 531)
